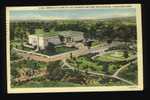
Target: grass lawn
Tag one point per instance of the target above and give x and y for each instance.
(40, 32)
(46, 52)
(63, 49)
(116, 56)
(98, 43)
(57, 50)
(27, 49)
(84, 63)
(29, 64)
(16, 44)
(35, 84)
(130, 73)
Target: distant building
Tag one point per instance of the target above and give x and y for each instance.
(42, 39)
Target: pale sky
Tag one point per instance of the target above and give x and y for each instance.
(97, 13)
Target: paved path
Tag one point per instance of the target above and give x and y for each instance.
(115, 75)
(123, 67)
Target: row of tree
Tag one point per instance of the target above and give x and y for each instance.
(106, 30)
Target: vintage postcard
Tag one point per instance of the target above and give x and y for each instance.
(74, 48)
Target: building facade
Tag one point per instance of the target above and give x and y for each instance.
(65, 37)
(38, 41)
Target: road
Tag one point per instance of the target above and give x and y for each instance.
(45, 58)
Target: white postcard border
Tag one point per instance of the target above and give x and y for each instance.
(79, 89)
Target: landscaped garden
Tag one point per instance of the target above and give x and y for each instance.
(85, 62)
(107, 64)
(113, 57)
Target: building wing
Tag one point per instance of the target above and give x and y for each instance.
(54, 40)
(75, 35)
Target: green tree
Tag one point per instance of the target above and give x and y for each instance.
(54, 70)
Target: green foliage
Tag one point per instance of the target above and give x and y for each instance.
(107, 30)
(116, 56)
(85, 63)
(63, 49)
(31, 64)
(55, 72)
(95, 43)
(120, 29)
(126, 54)
(52, 50)
(130, 73)
(36, 84)
(111, 82)
(14, 55)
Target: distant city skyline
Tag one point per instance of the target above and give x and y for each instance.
(97, 13)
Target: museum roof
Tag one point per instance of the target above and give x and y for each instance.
(70, 33)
